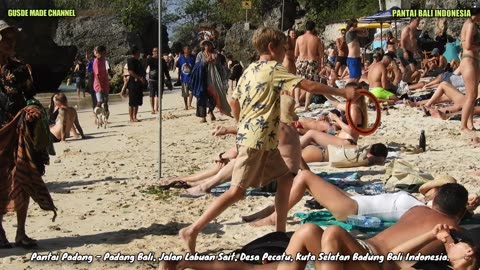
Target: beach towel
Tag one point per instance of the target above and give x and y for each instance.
(325, 218)
(24, 148)
(218, 190)
(341, 179)
(400, 172)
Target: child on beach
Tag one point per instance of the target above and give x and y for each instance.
(256, 105)
(100, 77)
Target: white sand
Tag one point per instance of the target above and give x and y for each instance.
(97, 185)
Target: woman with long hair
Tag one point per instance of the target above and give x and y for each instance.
(289, 59)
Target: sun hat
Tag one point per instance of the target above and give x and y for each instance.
(436, 182)
(206, 41)
(4, 25)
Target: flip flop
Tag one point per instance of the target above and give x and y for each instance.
(27, 243)
(175, 184)
(192, 196)
(313, 204)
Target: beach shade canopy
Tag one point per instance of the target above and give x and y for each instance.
(382, 16)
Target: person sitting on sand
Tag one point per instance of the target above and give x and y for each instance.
(449, 76)
(66, 122)
(434, 65)
(388, 206)
(256, 105)
(378, 81)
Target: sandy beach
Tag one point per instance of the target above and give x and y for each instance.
(100, 185)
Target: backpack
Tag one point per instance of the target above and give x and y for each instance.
(274, 243)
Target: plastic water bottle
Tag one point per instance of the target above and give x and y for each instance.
(364, 221)
(423, 141)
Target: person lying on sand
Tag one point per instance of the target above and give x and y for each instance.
(288, 145)
(448, 208)
(347, 136)
(66, 122)
(462, 252)
(341, 204)
(448, 76)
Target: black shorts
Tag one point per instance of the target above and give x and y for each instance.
(342, 60)
(411, 59)
(153, 88)
(135, 94)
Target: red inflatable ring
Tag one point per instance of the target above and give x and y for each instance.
(365, 131)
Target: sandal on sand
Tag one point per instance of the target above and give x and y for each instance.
(175, 184)
(27, 243)
(313, 204)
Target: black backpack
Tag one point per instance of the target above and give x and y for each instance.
(274, 243)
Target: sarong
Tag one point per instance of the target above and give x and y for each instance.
(24, 153)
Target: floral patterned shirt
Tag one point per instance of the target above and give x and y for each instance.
(258, 92)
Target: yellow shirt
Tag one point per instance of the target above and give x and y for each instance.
(258, 92)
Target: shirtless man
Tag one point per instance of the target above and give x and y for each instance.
(342, 51)
(354, 60)
(435, 65)
(377, 79)
(448, 207)
(309, 53)
(470, 66)
(67, 121)
(408, 48)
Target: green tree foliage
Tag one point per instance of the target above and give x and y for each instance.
(133, 12)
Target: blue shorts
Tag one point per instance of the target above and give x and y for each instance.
(354, 67)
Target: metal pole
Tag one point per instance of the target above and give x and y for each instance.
(246, 15)
(159, 87)
(283, 12)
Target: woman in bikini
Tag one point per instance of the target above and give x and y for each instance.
(346, 136)
(289, 59)
(470, 37)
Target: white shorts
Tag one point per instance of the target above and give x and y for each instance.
(387, 207)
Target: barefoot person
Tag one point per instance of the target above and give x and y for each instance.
(185, 64)
(309, 53)
(378, 81)
(354, 60)
(136, 84)
(152, 67)
(256, 105)
(289, 60)
(408, 48)
(101, 84)
(22, 163)
(66, 122)
(469, 66)
(342, 51)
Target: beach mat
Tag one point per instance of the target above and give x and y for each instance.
(325, 218)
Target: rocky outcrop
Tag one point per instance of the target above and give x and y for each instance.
(50, 63)
(238, 42)
(87, 32)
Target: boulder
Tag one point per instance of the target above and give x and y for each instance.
(50, 63)
(238, 42)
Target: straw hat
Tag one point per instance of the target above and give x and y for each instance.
(205, 42)
(287, 109)
(437, 182)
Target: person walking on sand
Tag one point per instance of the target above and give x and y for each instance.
(66, 122)
(101, 84)
(256, 105)
(23, 154)
(309, 54)
(408, 49)
(152, 67)
(136, 84)
(80, 71)
(342, 51)
(185, 64)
